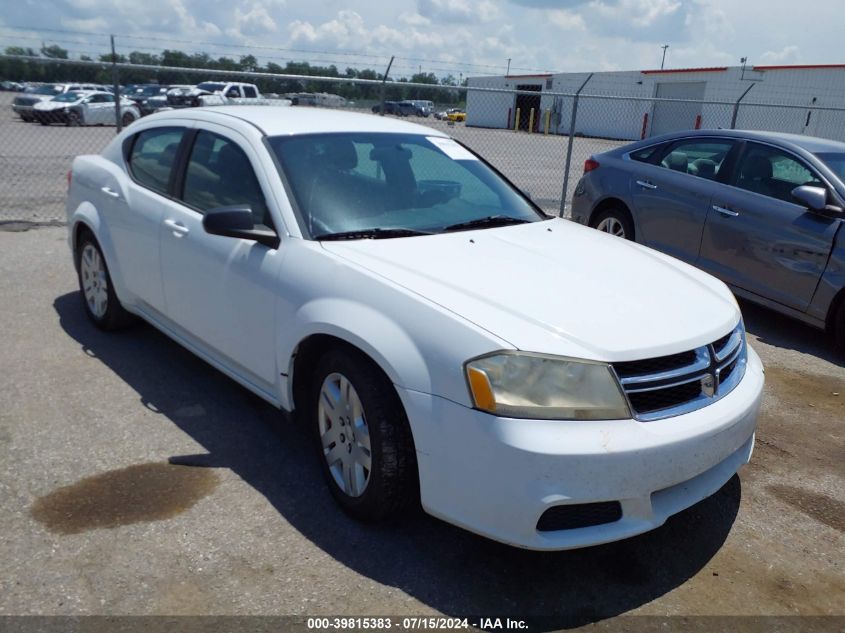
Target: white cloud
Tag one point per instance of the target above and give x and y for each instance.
(413, 19)
(787, 55)
(567, 20)
(640, 13)
(458, 11)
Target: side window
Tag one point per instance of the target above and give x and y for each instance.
(250, 92)
(219, 174)
(152, 156)
(699, 157)
(772, 172)
(645, 154)
(233, 92)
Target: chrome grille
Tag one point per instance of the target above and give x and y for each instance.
(672, 385)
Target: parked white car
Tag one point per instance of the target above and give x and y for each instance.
(85, 107)
(524, 377)
(24, 104)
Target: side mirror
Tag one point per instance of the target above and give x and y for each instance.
(237, 221)
(815, 198)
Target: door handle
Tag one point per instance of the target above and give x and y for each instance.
(110, 192)
(645, 184)
(178, 228)
(725, 211)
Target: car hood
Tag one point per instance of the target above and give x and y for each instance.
(557, 287)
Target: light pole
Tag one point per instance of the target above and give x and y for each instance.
(663, 61)
(508, 71)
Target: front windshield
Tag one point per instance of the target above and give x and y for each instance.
(69, 97)
(147, 91)
(362, 181)
(49, 89)
(835, 162)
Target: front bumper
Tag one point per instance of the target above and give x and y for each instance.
(497, 476)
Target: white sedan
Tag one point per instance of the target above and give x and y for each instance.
(85, 107)
(448, 344)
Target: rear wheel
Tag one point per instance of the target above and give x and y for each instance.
(101, 303)
(614, 221)
(365, 445)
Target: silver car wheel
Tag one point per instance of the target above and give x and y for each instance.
(344, 434)
(613, 226)
(95, 286)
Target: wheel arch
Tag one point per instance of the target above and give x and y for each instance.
(86, 219)
(612, 202)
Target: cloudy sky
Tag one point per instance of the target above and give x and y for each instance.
(471, 37)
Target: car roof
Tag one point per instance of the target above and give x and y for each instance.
(810, 144)
(281, 121)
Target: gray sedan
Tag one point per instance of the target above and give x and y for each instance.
(762, 211)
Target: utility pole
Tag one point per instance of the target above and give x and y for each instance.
(742, 60)
(383, 80)
(663, 61)
(116, 83)
(508, 72)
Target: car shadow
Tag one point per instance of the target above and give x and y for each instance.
(446, 568)
(782, 331)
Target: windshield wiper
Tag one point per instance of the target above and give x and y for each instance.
(490, 221)
(370, 234)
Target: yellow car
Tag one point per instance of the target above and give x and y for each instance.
(456, 115)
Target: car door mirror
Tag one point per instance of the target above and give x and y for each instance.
(815, 198)
(237, 221)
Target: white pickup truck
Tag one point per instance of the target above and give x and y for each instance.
(212, 93)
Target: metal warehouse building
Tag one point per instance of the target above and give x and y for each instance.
(625, 105)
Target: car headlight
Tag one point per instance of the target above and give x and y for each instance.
(525, 385)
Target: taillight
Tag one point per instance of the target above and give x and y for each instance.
(590, 164)
(69, 178)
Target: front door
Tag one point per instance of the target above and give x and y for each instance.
(759, 238)
(220, 291)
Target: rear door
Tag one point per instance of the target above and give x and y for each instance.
(136, 222)
(759, 238)
(671, 194)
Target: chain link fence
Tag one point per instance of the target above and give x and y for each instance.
(537, 139)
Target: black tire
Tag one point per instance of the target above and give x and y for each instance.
(73, 119)
(114, 316)
(127, 119)
(623, 226)
(392, 485)
(43, 121)
(839, 328)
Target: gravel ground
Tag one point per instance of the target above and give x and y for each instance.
(191, 496)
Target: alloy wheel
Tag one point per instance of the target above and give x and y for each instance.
(95, 286)
(613, 226)
(344, 434)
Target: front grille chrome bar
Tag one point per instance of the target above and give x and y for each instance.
(672, 385)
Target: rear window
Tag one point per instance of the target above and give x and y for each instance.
(152, 156)
(645, 154)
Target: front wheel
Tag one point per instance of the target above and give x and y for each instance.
(73, 119)
(615, 222)
(101, 303)
(364, 440)
(127, 119)
(839, 328)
